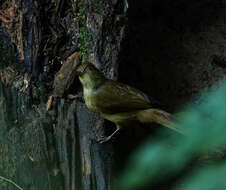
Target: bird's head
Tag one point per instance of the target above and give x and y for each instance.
(88, 74)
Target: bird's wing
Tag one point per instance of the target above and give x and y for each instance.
(114, 97)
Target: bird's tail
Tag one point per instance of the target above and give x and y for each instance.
(158, 116)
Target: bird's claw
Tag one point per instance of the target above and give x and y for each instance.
(105, 139)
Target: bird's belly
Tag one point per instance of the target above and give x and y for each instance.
(127, 117)
(93, 103)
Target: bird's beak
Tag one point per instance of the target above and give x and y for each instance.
(78, 73)
(81, 69)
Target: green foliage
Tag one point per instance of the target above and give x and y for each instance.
(81, 12)
(205, 140)
(81, 8)
(84, 37)
(98, 7)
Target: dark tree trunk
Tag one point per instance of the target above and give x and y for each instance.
(57, 149)
(170, 50)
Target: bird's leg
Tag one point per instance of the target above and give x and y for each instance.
(105, 139)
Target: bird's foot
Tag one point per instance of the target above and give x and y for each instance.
(105, 139)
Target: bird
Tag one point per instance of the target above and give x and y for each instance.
(118, 102)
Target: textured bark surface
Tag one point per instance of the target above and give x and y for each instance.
(171, 50)
(55, 149)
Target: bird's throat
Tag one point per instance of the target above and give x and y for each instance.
(91, 82)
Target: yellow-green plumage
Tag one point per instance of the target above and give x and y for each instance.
(118, 102)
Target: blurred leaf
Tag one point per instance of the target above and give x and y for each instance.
(205, 128)
(208, 178)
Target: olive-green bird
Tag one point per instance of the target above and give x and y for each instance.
(118, 102)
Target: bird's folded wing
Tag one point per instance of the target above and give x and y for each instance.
(114, 97)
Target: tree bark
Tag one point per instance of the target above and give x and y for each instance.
(57, 149)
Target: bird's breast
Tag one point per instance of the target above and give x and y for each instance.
(89, 96)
